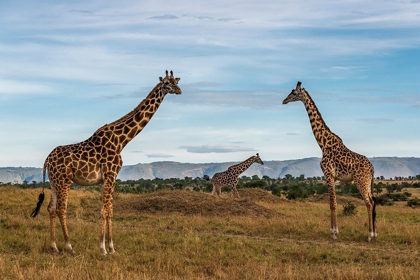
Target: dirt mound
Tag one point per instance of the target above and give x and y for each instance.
(341, 200)
(260, 195)
(193, 203)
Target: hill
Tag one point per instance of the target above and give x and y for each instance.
(389, 167)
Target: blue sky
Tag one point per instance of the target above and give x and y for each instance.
(68, 67)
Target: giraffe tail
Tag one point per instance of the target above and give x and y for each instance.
(41, 196)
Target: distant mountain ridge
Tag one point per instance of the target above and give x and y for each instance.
(389, 167)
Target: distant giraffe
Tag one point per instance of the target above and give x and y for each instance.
(338, 162)
(230, 177)
(98, 160)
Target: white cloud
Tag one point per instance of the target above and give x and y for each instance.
(159, 156)
(11, 87)
(216, 149)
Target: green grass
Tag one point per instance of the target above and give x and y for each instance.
(188, 235)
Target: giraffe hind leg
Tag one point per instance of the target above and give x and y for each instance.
(62, 213)
(364, 189)
(52, 206)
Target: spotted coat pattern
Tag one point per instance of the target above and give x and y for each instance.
(230, 177)
(98, 160)
(338, 162)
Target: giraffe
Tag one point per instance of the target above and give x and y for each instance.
(230, 176)
(338, 162)
(98, 160)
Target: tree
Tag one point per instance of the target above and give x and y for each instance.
(206, 177)
(288, 177)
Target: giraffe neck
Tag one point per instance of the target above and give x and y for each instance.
(126, 128)
(239, 168)
(319, 127)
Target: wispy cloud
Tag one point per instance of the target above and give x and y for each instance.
(159, 156)
(216, 149)
(164, 17)
(375, 120)
(12, 87)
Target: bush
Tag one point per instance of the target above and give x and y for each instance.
(415, 202)
(349, 209)
(276, 191)
(384, 200)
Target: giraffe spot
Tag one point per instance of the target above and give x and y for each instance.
(104, 141)
(131, 124)
(138, 117)
(126, 129)
(132, 134)
(143, 123)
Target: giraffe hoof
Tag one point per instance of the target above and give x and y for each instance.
(103, 252)
(112, 251)
(55, 250)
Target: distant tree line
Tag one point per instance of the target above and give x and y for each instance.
(291, 187)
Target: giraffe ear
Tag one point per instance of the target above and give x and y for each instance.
(298, 85)
(160, 79)
(177, 79)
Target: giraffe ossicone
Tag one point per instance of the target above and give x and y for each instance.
(98, 160)
(338, 162)
(230, 177)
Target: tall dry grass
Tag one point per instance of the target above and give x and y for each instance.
(187, 235)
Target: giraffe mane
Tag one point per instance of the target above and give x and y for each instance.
(236, 165)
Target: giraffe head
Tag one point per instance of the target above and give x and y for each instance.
(296, 94)
(169, 84)
(257, 159)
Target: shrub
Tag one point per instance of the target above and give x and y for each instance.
(349, 209)
(415, 202)
(276, 191)
(384, 200)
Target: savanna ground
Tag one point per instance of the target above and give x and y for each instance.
(193, 235)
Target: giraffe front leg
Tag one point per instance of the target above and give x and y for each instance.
(235, 191)
(104, 214)
(107, 213)
(109, 222)
(333, 207)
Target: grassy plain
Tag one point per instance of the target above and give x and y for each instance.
(189, 235)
